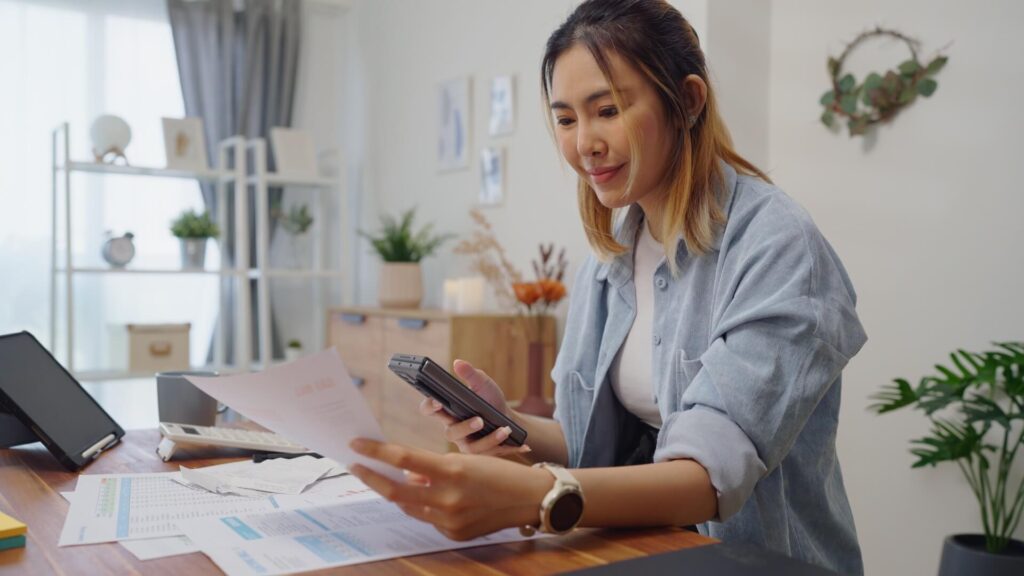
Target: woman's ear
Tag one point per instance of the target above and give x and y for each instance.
(695, 95)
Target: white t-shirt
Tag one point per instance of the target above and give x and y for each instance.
(631, 369)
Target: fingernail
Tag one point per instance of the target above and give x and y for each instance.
(525, 448)
(435, 404)
(504, 433)
(476, 424)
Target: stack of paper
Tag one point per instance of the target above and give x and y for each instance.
(274, 476)
(12, 532)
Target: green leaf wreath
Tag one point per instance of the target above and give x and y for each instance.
(881, 96)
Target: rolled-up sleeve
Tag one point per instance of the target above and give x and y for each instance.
(785, 330)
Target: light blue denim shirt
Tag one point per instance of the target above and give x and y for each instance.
(748, 344)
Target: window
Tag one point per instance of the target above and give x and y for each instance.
(68, 61)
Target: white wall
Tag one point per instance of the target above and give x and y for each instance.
(927, 221)
(408, 47)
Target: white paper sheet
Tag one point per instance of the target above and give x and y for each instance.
(331, 490)
(153, 548)
(314, 538)
(275, 476)
(311, 401)
(111, 507)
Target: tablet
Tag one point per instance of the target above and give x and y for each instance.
(47, 400)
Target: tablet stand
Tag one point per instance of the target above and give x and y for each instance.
(13, 432)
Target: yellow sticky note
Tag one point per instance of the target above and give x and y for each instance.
(10, 527)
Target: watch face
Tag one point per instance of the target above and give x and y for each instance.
(566, 511)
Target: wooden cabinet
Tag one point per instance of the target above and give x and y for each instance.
(367, 337)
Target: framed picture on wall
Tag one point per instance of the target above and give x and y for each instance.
(492, 176)
(185, 144)
(453, 129)
(503, 119)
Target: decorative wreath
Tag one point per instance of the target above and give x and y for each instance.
(880, 97)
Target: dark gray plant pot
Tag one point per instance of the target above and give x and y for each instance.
(193, 252)
(965, 555)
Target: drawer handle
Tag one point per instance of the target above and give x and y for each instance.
(160, 348)
(356, 319)
(412, 323)
(359, 382)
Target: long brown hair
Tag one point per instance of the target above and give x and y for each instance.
(655, 38)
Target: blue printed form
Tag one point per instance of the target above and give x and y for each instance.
(321, 537)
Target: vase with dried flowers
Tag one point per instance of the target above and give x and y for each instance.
(533, 300)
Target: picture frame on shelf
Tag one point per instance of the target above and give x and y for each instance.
(294, 153)
(185, 144)
(453, 124)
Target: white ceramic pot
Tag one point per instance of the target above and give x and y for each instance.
(401, 285)
(193, 252)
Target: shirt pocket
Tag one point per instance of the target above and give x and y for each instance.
(686, 369)
(582, 394)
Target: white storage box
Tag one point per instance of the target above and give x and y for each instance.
(158, 347)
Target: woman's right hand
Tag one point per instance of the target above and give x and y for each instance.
(458, 432)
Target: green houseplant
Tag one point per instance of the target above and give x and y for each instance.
(194, 229)
(976, 408)
(401, 249)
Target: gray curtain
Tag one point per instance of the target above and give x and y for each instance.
(237, 60)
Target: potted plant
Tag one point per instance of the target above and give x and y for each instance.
(296, 221)
(401, 283)
(976, 407)
(194, 230)
(294, 350)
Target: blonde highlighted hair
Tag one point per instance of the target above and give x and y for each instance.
(654, 37)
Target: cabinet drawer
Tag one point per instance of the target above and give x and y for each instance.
(370, 387)
(417, 431)
(399, 400)
(430, 338)
(359, 340)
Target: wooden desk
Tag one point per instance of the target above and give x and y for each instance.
(31, 479)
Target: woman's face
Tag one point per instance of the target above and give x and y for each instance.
(591, 130)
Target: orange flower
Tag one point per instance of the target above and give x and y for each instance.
(552, 290)
(527, 292)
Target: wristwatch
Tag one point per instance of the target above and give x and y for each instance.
(562, 507)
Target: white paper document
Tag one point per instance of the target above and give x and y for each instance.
(111, 507)
(311, 401)
(153, 548)
(314, 538)
(274, 476)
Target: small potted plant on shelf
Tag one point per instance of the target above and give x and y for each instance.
(294, 350)
(401, 282)
(976, 408)
(194, 230)
(296, 221)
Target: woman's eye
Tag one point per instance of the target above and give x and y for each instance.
(608, 112)
(564, 121)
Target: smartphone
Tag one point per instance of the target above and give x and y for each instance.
(456, 398)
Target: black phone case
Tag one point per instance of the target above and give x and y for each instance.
(457, 399)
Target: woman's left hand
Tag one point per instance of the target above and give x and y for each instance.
(463, 495)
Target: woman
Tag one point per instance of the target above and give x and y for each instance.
(699, 377)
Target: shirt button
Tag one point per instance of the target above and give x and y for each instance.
(657, 340)
(660, 282)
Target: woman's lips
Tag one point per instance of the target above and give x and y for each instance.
(602, 175)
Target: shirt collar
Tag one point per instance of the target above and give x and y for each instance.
(619, 269)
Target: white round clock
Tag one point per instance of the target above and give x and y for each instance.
(118, 251)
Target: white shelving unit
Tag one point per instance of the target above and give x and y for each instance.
(231, 169)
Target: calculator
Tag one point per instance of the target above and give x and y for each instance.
(174, 435)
